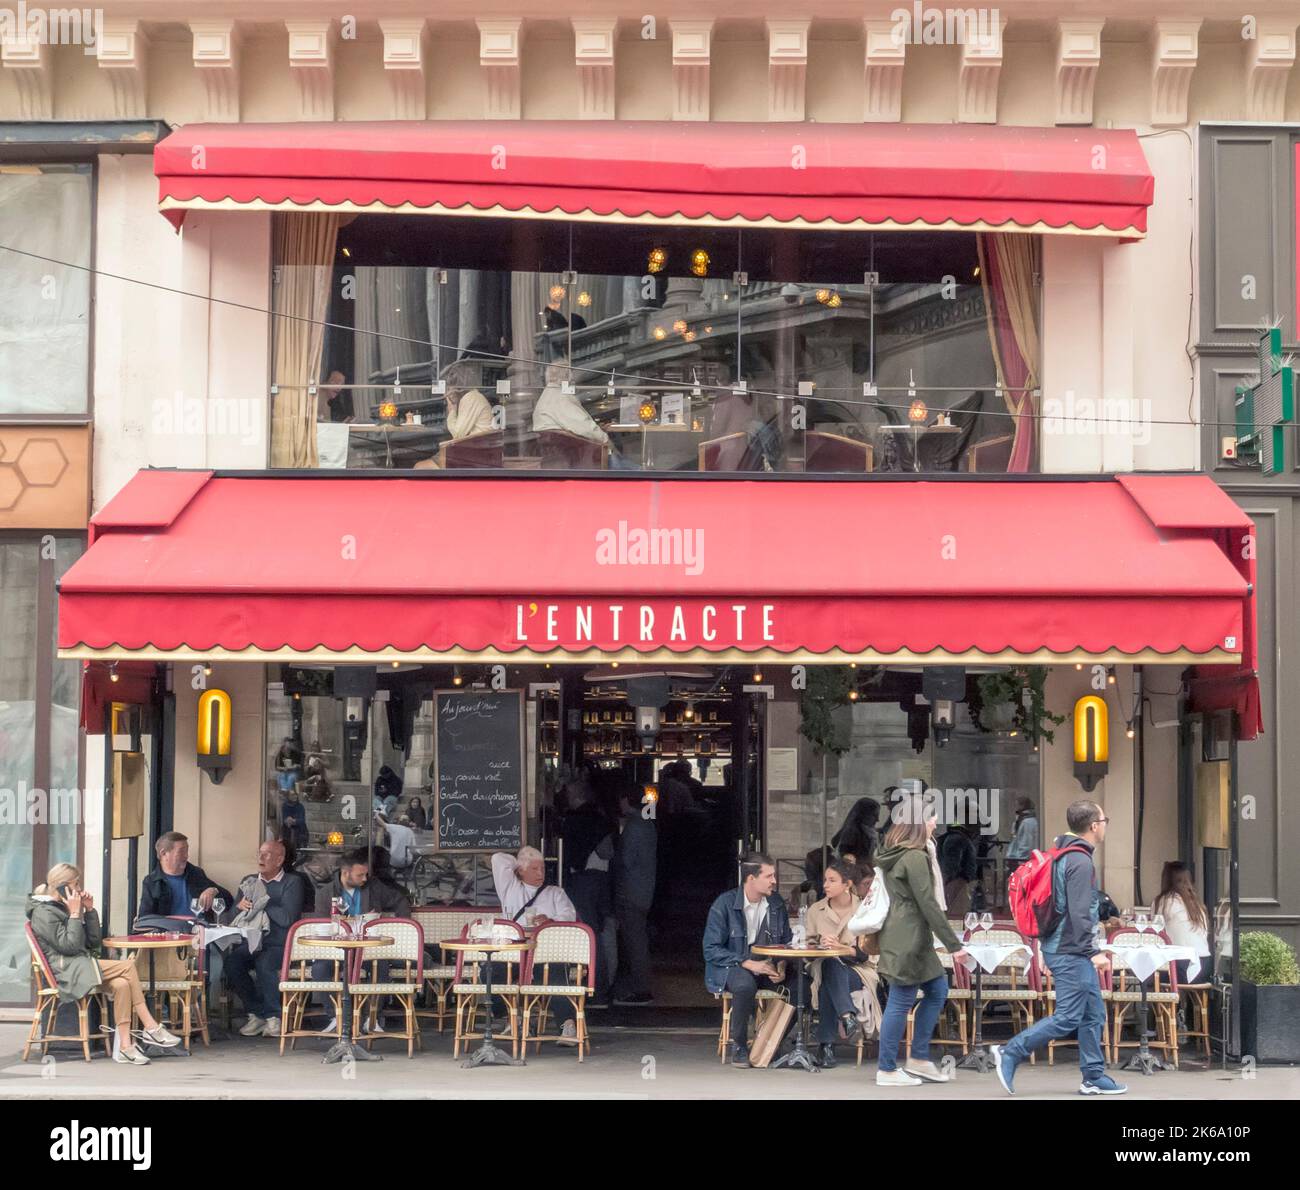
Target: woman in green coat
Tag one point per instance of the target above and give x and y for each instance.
(907, 955)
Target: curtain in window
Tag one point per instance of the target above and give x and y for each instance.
(1008, 265)
(304, 254)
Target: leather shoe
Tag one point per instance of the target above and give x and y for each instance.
(739, 1055)
(828, 1060)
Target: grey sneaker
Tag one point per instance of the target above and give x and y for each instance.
(163, 1038)
(129, 1057)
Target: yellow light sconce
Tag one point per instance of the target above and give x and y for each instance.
(1091, 741)
(214, 734)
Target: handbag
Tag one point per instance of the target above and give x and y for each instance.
(775, 1024)
(869, 918)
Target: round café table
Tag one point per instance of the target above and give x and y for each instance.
(803, 955)
(343, 1048)
(1143, 962)
(489, 1053)
(130, 945)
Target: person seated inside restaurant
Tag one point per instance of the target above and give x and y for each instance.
(526, 897)
(270, 901)
(388, 791)
(739, 920)
(469, 412)
(176, 887)
(416, 812)
(335, 401)
(843, 989)
(293, 822)
(558, 410)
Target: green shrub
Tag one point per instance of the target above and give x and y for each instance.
(1266, 958)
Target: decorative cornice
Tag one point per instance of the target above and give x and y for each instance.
(885, 55)
(981, 71)
(499, 54)
(1269, 58)
(692, 55)
(122, 52)
(1078, 55)
(593, 52)
(28, 61)
(787, 68)
(404, 66)
(1174, 47)
(216, 47)
(311, 62)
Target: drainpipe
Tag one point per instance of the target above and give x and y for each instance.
(1139, 781)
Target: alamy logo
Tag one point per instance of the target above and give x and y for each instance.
(91, 1143)
(26, 25)
(651, 547)
(922, 25)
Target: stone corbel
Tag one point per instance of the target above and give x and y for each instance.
(122, 52)
(981, 71)
(1078, 55)
(787, 68)
(886, 50)
(27, 61)
(1269, 58)
(692, 52)
(1174, 47)
(216, 58)
(404, 66)
(311, 62)
(593, 50)
(500, 54)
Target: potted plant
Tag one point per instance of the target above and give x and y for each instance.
(1270, 999)
(1014, 700)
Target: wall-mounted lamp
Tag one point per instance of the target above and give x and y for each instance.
(214, 734)
(1091, 741)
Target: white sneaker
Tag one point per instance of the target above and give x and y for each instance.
(161, 1037)
(333, 1026)
(131, 1057)
(568, 1033)
(255, 1026)
(272, 1027)
(928, 1071)
(896, 1078)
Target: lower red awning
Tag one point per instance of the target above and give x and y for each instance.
(195, 565)
(835, 176)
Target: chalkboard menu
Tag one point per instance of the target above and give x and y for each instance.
(479, 761)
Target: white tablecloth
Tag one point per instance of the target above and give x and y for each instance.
(991, 956)
(1143, 961)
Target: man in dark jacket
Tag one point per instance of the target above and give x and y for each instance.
(1070, 951)
(740, 919)
(634, 865)
(171, 888)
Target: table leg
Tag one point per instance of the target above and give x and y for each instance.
(979, 1059)
(1144, 1060)
(343, 1049)
(489, 1053)
(799, 1055)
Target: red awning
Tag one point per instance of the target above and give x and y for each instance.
(450, 566)
(850, 176)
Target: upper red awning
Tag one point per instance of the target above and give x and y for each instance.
(847, 176)
(455, 567)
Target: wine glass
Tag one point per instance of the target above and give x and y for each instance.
(1141, 922)
(1158, 923)
(986, 921)
(970, 921)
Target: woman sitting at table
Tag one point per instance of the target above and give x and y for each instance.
(843, 989)
(65, 923)
(1187, 921)
(415, 812)
(469, 412)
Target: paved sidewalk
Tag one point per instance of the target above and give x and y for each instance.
(624, 1064)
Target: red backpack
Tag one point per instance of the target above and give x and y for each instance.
(1029, 892)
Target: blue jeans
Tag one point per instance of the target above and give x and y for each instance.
(1079, 1009)
(893, 1024)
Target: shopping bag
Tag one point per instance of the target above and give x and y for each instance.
(873, 909)
(775, 1024)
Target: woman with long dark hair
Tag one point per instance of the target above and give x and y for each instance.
(1187, 921)
(907, 955)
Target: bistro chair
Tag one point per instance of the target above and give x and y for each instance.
(297, 985)
(564, 452)
(763, 1003)
(471, 990)
(183, 993)
(1008, 983)
(959, 999)
(47, 1007)
(1197, 1023)
(728, 453)
(990, 454)
(1162, 999)
(828, 452)
(404, 985)
(569, 946)
(478, 450)
(438, 923)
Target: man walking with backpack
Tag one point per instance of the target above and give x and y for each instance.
(1059, 893)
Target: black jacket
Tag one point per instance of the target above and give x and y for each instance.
(1074, 887)
(376, 897)
(155, 896)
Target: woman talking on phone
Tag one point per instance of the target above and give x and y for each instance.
(65, 923)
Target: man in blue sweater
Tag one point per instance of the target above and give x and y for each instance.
(1070, 951)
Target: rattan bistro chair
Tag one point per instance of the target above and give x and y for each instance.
(47, 1007)
(959, 1000)
(1018, 987)
(1162, 999)
(566, 949)
(763, 1002)
(471, 990)
(438, 923)
(297, 985)
(403, 982)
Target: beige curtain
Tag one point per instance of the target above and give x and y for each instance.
(1008, 264)
(304, 245)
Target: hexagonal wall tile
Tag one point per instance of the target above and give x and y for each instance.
(11, 486)
(42, 462)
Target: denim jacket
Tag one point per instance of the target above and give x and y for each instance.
(726, 940)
